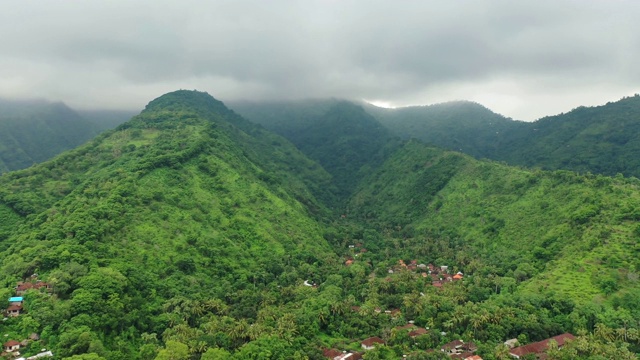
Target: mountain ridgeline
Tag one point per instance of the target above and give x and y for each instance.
(34, 131)
(190, 232)
(601, 139)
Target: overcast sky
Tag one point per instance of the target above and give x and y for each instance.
(523, 59)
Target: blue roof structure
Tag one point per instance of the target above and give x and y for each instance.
(15, 299)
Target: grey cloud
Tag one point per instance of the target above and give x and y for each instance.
(122, 54)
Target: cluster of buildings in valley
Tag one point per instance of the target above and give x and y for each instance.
(457, 349)
(439, 275)
(12, 348)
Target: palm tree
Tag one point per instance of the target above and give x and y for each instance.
(238, 330)
(255, 331)
(502, 352)
(198, 347)
(603, 332)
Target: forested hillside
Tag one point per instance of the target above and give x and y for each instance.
(571, 235)
(191, 233)
(601, 139)
(34, 131)
(347, 141)
(185, 205)
(462, 126)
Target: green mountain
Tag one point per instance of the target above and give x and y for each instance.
(462, 126)
(34, 131)
(601, 139)
(340, 135)
(190, 232)
(187, 201)
(556, 231)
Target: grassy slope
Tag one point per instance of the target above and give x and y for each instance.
(569, 232)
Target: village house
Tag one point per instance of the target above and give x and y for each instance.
(22, 287)
(331, 353)
(418, 332)
(371, 342)
(459, 348)
(14, 310)
(16, 300)
(511, 343)
(408, 326)
(349, 356)
(11, 346)
(348, 262)
(538, 348)
(473, 357)
(38, 356)
(453, 347)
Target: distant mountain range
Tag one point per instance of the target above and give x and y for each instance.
(602, 139)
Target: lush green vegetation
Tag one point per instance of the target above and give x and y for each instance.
(459, 125)
(34, 131)
(602, 139)
(341, 136)
(191, 233)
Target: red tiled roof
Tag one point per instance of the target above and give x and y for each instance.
(474, 357)
(350, 356)
(405, 327)
(540, 346)
(24, 286)
(418, 332)
(457, 276)
(452, 345)
(14, 308)
(372, 341)
(331, 353)
(11, 343)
